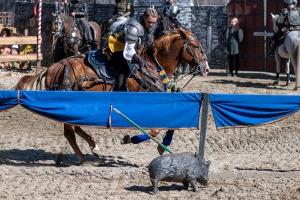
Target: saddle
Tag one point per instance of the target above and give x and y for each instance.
(102, 66)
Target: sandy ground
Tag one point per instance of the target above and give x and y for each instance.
(247, 163)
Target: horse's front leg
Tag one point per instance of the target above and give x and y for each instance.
(76, 52)
(277, 60)
(287, 71)
(69, 133)
(90, 140)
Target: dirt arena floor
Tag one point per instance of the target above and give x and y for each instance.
(247, 163)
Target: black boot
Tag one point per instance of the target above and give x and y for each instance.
(121, 85)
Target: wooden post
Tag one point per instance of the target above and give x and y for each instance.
(204, 116)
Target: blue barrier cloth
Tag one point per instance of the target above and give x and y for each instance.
(234, 110)
(8, 99)
(148, 110)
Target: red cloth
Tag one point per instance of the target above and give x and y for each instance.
(35, 9)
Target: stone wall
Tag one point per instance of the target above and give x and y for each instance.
(193, 18)
(196, 19)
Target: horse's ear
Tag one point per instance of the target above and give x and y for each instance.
(53, 14)
(272, 15)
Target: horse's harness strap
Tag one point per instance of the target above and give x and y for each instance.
(186, 47)
(67, 79)
(164, 77)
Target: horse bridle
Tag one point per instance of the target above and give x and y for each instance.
(59, 21)
(187, 47)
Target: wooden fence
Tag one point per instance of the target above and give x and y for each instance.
(12, 40)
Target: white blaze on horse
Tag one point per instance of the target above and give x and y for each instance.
(290, 49)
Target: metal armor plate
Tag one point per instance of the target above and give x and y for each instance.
(294, 18)
(174, 10)
(133, 29)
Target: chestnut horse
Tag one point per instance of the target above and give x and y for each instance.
(69, 38)
(169, 51)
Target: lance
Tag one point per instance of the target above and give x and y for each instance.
(137, 126)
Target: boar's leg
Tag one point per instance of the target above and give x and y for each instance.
(194, 185)
(155, 185)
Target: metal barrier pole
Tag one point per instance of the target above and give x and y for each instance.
(204, 116)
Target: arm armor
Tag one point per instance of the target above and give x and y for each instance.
(133, 30)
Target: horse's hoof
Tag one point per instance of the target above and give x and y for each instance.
(275, 84)
(96, 151)
(288, 83)
(160, 150)
(126, 139)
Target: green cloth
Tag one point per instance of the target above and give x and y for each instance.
(232, 46)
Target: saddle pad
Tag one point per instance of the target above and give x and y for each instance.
(102, 66)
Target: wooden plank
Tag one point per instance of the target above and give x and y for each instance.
(18, 40)
(19, 58)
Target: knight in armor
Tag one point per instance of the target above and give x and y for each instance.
(170, 11)
(288, 19)
(79, 10)
(123, 43)
(122, 8)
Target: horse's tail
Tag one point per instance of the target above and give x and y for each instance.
(31, 82)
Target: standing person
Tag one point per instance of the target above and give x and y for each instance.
(7, 49)
(234, 36)
(79, 10)
(288, 19)
(125, 42)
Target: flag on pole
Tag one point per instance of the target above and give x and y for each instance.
(35, 9)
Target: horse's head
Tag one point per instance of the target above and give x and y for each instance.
(274, 19)
(192, 52)
(58, 25)
(181, 44)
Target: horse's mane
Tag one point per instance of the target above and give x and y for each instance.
(164, 42)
